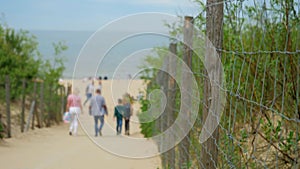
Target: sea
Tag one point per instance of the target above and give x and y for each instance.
(111, 54)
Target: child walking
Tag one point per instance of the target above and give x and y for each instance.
(119, 111)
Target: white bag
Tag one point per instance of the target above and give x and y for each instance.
(67, 117)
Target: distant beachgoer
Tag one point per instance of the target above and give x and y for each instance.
(85, 79)
(140, 96)
(127, 112)
(74, 107)
(60, 81)
(99, 85)
(89, 92)
(119, 111)
(98, 109)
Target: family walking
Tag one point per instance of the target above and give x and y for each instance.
(98, 109)
(123, 110)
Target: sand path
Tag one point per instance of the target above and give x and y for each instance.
(53, 148)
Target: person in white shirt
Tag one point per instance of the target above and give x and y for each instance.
(89, 92)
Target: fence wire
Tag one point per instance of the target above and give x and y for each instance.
(260, 124)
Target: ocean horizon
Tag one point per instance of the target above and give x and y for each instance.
(119, 61)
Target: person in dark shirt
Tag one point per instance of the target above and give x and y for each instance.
(119, 111)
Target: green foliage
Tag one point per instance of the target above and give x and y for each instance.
(51, 71)
(256, 71)
(148, 75)
(260, 57)
(17, 57)
(20, 58)
(186, 165)
(146, 128)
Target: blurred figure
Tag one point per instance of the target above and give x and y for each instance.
(127, 112)
(89, 92)
(140, 96)
(119, 111)
(98, 109)
(74, 107)
(85, 79)
(99, 85)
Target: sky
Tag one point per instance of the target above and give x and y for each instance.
(83, 15)
(75, 22)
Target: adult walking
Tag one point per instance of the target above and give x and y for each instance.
(74, 107)
(127, 112)
(89, 92)
(98, 109)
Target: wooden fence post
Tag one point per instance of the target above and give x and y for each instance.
(214, 22)
(161, 125)
(30, 115)
(171, 101)
(23, 104)
(8, 120)
(62, 94)
(33, 100)
(49, 106)
(164, 83)
(42, 103)
(37, 113)
(186, 84)
(69, 89)
(57, 108)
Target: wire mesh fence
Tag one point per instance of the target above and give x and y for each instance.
(258, 44)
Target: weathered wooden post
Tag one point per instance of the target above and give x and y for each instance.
(23, 104)
(41, 105)
(186, 86)
(38, 113)
(57, 108)
(214, 21)
(171, 101)
(69, 88)
(62, 97)
(164, 84)
(33, 100)
(8, 120)
(49, 106)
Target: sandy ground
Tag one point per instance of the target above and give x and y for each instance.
(53, 148)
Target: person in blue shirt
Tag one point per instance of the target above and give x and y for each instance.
(98, 109)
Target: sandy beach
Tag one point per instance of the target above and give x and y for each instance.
(53, 148)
